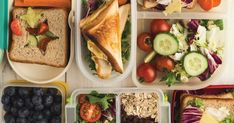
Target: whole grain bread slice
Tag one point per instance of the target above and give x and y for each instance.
(56, 54)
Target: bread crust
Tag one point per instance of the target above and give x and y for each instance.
(65, 42)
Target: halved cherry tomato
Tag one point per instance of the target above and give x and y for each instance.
(216, 3)
(43, 28)
(144, 41)
(82, 98)
(146, 72)
(122, 2)
(159, 25)
(162, 63)
(90, 112)
(16, 28)
(206, 4)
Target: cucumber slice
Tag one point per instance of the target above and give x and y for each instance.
(150, 57)
(166, 44)
(32, 40)
(195, 63)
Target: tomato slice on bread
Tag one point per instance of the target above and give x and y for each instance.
(16, 27)
(90, 112)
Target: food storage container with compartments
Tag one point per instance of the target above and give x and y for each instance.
(42, 74)
(144, 18)
(81, 51)
(163, 111)
(60, 86)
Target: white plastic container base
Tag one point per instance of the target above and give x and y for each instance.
(81, 50)
(219, 11)
(194, 83)
(42, 74)
(164, 110)
(19, 84)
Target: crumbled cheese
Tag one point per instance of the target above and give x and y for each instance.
(164, 2)
(142, 105)
(174, 6)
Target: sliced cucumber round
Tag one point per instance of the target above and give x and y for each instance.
(166, 44)
(195, 63)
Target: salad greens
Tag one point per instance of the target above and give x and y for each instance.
(202, 36)
(196, 103)
(102, 99)
(125, 42)
(107, 104)
(228, 119)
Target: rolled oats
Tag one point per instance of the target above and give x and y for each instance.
(143, 105)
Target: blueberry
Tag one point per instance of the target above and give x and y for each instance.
(23, 112)
(14, 111)
(9, 118)
(37, 116)
(5, 99)
(28, 103)
(47, 113)
(24, 92)
(10, 91)
(58, 98)
(21, 120)
(7, 107)
(42, 121)
(39, 107)
(18, 102)
(38, 91)
(52, 91)
(56, 109)
(48, 100)
(56, 120)
(36, 100)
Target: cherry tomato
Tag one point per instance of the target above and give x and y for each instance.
(163, 63)
(43, 28)
(206, 4)
(122, 2)
(144, 41)
(82, 98)
(159, 25)
(90, 112)
(216, 3)
(146, 72)
(16, 28)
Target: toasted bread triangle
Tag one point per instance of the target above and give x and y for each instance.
(103, 27)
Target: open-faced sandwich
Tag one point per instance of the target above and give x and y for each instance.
(207, 108)
(39, 36)
(105, 29)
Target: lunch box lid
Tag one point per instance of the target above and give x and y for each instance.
(3, 24)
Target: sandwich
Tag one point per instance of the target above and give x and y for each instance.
(102, 31)
(39, 36)
(207, 108)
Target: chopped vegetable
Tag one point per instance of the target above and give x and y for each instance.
(31, 17)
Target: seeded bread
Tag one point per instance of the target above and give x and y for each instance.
(56, 54)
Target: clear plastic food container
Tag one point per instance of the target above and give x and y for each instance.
(219, 11)
(60, 86)
(164, 107)
(81, 50)
(143, 24)
(41, 74)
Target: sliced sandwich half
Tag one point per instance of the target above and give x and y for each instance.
(103, 28)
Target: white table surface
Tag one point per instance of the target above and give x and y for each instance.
(75, 79)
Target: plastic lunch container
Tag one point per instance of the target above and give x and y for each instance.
(143, 24)
(217, 11)
(42, 74)
(164, 111)
(80, 51)
(60, 86)
(214, 89)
